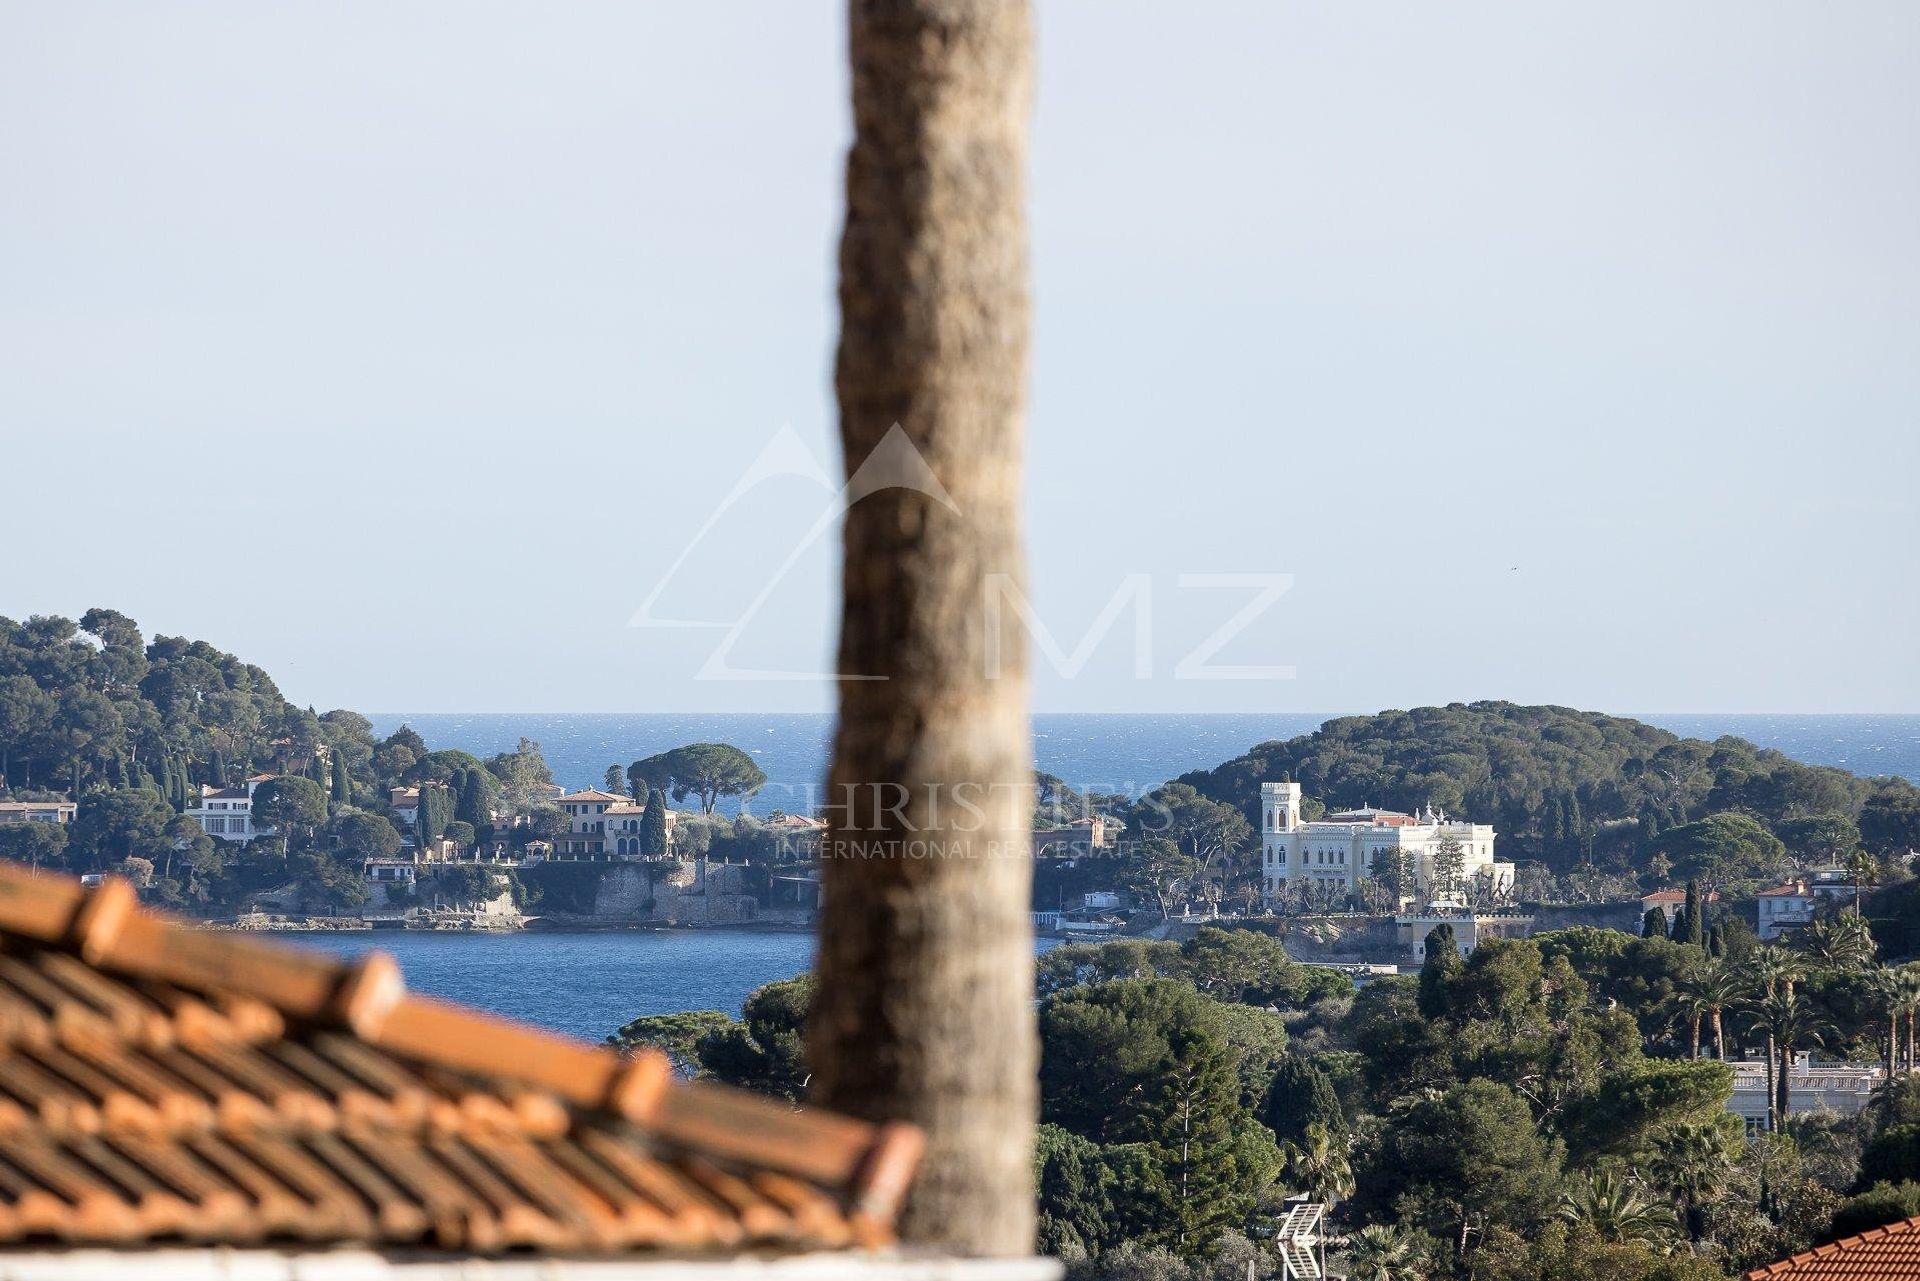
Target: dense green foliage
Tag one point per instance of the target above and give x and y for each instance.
(1579, 788)
(1536, 1109)
(762, 1050)
(93, 705)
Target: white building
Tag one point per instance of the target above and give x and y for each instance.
(1783, 909)
(1340, 851)
(1830, 1087)
(228, 812)
(602, 825)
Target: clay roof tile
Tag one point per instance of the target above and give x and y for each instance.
(160, 1081)
(1880, 1254)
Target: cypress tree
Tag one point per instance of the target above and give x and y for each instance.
(436, 811)
(341, 791)
(653, 827)
(1301, 1095)
(1442, 963)
(1654, 924)
(1689, 926)
(1716, 941)
(1696, 917)
(472, 809)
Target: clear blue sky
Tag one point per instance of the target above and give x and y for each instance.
(1559, 352)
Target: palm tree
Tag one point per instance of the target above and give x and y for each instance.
(1318, 1165)
(1707, 995)
(1864, 870)
(1609, 1203)
(1856, 939)
(1906, 981)
(1773, 968)
(1691, 1162)
(1790, 1025)
(922, 956)
(1692, 1007)
(1843, 942)
(1886, 986)
(1380, 1252)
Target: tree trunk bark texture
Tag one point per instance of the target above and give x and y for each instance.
(924, 1002)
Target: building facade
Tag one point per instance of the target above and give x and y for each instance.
(1333, 855)
(1080, 838)
(1844, 1088)
(602, 825)
(1783, 909)
(37, 811)
(1671, 903)
(227, 812)
(1469, 929)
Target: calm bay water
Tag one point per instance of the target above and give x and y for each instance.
(589, 984)
(585, 984)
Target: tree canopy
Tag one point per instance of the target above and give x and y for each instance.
(708, 771)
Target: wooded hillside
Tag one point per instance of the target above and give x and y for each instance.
(1567, 786)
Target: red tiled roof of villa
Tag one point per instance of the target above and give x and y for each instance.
(159, 1082)
(1675, 896)
(1881, 1254)
(590, 795)
(1792, 889)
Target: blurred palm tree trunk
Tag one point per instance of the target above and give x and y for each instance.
(924, 1005)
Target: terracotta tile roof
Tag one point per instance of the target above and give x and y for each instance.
(1882, 1254)
(160, 1083)
(590, 795)
(1675, 896)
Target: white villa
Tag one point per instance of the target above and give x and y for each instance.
(1786, 908)
(602, 825)
(228, 812)
(1339, 851)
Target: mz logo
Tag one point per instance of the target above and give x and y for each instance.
(896, 463)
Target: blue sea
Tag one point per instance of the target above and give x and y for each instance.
(584, 984)
(1117, 752)
(587, 984)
